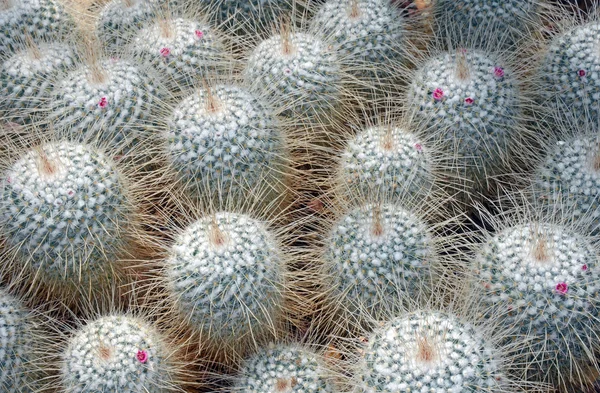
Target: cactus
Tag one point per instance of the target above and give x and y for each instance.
(283, 368)
(16, 341)
(568, 83)
(225, 274)
(120, 20)
(27, 79)
(298, 73)
(116, 353)
(541, 279)
(370, 35)
(64, 211)
(429, 351)
(225, 143)
(567, 179)
(39, 19)
(183, 50)
(386, 161)
(109, 100)
(489, 23)
(377, 253)
(469, 102)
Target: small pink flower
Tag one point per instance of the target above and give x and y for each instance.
(287, 71)
(114, 59)
(469, 101)
(165, 52)
(438, 94)
(142, 356)
(199, 34)
(581, 73)
(419, 147)
(9, 180)
(103, 103)
(584, 268)
(562, 288)
(499, 72)
(70, 192)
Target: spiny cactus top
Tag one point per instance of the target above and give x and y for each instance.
(111, 103)
(182, 49)
(385, 161)
(428, 351)
(225, 142)
(378, 253)
(115, 353)
(39, 19)
(27, 78)
(542, 280)
(119, 20)
(569, 79)
(225, 273)
(369, 32)
(15, 345)
(487, 22)
(297, 72)
(62, 208)
(252, 15)
(569, 178)
(283, 368)
(470, 103)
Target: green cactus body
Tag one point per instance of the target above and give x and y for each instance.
(120, 20)
(288, 368)
(569, 179)
(15, 346)
(112, 107)
(386, 161)
(39, 19)
(569, 85)
(226, 142)
(370, 34)
(542, 280)
(469, 104)
(62, 209)
(428, 351)
(377, 254)
(298, 73)
(115, 353)
(27, 79)
(188, 52)
(490, 23)
(225, 273)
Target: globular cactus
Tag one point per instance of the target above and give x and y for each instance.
(181, 49)
(283, 368)
(370, 36)
(568, 84)
(429, 351)
(540, 279)
(113, 100)
(299, 74)
(225, 274)
(66, 216)
(566, 179)
(27, 78)
(16, 344)
(386, 161)
(469, 103)
(375, 254)
(488, 23)
(39, 19)
(117, 353)
(225, 144)
(120, 20)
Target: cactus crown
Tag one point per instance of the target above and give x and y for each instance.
(227, 269)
